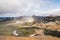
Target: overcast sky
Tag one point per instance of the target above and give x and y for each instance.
(15, 8)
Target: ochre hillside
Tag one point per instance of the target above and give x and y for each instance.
(28, 38)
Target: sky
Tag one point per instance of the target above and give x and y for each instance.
(14, 8)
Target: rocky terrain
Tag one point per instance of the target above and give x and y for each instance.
(30, 28)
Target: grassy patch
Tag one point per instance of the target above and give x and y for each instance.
(7, 30)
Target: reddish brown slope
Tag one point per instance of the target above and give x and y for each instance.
(28, 38)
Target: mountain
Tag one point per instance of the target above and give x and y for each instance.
(30, 18)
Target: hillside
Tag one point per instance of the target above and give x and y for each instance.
(28, 38)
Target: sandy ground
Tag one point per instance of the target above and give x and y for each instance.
(29, 38)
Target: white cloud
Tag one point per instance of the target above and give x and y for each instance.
(25, 7)
(18, 7)
(52, 12)
(9, 5)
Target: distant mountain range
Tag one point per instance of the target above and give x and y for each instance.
(37, 18)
